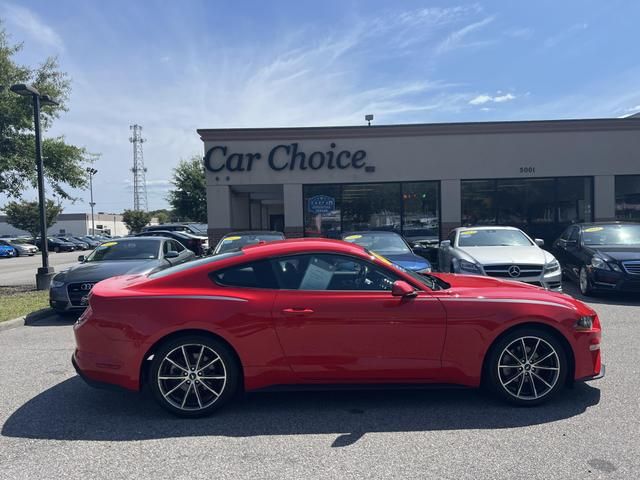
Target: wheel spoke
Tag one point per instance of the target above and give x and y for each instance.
(176, 365)
(535, 349)
(553, 352)
(520, 387)
(195, 389)
(513, 378)
(174, 388)
(210, 389)
(524, 350)
(215, 377)
(542, 379)
(199, 357)
(182, 377)
(184, 400)
(186, 360)
(535, 392)
(516, 358)
(209, 364)
(547, 368)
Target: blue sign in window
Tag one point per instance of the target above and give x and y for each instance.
(321, 204)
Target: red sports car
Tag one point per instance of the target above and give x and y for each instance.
(326, 312)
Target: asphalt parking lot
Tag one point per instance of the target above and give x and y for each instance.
(22, 270)
(54, 426)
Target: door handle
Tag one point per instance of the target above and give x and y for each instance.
(297, 312)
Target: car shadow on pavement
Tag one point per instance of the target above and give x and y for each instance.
(604, 298)
(73, 411)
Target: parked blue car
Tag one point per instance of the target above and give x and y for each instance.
(391, 246)
(7, 251)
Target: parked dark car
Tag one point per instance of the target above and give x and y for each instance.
(234, 241)
(391, 246)
(56, 245)
(134, 255)
(93, 242)
(80, 244)
(193, 228)
(21, 246)
(198, 244)
(601, 257)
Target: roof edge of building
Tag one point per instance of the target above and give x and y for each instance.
(420, 129)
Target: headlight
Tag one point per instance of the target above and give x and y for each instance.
(424, 270)
(597, 262)
(584, 323)
(466, 266)
(57, 284)
(552, 266)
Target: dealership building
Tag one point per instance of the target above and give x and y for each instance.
(422, 180)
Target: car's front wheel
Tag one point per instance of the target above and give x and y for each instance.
(192, 376)
(583, 282)
(527, 366)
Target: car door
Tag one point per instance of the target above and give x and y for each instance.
(337, 321)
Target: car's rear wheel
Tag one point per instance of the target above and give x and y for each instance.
(583, 282)
(527, 366)
(192, 376)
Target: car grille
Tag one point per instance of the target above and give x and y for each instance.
(632, 267)
(503, 270)
(77, 291)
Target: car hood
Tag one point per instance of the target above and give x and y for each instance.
(619, 252)
(410, 261)
(96, 271)
(497, 255)
(481, 287)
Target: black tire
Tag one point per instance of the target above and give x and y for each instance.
(524, 385)
(584, 285)
(56, 249)
(198, 400)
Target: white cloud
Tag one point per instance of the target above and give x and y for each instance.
(564, 35)
(498, 98)
(519, 32)
(31, 25)
(457, 39)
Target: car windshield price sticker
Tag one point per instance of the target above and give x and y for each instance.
(469, 232)
(321, 204)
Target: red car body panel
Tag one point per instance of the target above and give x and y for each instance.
(306, 337)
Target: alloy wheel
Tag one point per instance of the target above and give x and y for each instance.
(584, 281)
(528, 368)
(192, 377)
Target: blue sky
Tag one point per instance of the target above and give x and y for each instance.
(174, 67)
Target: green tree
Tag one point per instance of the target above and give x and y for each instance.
(64, 164)
(163, 215)
(26, 215)
(136, 220)
(189, 198)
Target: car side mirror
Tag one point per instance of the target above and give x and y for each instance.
(539, 242)
(171, 254)
(81, 258)
(401, 288)
(445, 243)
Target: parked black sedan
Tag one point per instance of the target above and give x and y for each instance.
(198, 244)
(601, 256)
(55, 244)
(134, 255)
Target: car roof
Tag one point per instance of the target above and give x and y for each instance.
(149, 238)
(302, 245)
(489, 227)
(371, 232)
(595, 224)
(254, 232)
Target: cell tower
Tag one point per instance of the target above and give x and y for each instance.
(139, 170)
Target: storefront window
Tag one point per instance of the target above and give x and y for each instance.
(628, 197)
(542, 207)
(410, 208)
(421, 210)
(478, 204)
(322, 211)
(371, 206)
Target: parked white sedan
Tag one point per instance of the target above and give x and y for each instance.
(504, 252)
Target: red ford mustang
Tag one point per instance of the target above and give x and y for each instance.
(327, 312)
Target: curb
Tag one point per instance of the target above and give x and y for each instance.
(27, 319)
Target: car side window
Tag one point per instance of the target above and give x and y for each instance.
(176, 246)
(573, 235)
(166, 247)
(331, 272)
(565, 234)
(251, 275)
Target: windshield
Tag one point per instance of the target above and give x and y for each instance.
(125, 250)
(236, 242)
(612, 235)
(382, 243)
(493, 238)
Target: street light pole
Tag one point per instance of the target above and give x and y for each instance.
(45, 273)
(92, 172)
